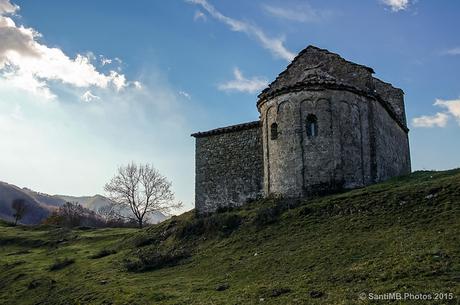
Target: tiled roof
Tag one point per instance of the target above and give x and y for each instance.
(274, 85)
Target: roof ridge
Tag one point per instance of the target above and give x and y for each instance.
(231, 128)
(387, 83)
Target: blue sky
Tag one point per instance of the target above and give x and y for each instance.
(88, 85)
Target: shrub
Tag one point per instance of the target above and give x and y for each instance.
(271, 214)
(142, 241)
(103, 253)
(41, 282)
(224, 224)
(155, 235)
(279, 291)
(194, 227)
(267, 215)
(228, 223)
(273, 292)
(61, 264)
(304, 211)
(151, 259)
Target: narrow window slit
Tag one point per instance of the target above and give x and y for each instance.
(312, 126)
(274, 131)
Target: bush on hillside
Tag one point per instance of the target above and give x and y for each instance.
(270, 214)
(103, 253)
(151, 259)
(61, 264)
(267, 215)
(223, 224)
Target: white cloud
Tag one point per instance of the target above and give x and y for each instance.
(397, 5)
(274, 45)
(6, 7)
(300, 13)
(453, 51)
(437, 120)
(440, 119)
(185, 94)
(242, 84)
(89, 97)
(28, 64)
(452, 106)
(118, 80)
(26, 82)
(105, 61)
(199, 15)
(137, 84)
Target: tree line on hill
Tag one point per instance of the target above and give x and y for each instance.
(73, 214)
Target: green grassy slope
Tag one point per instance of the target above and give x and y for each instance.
(398, 236)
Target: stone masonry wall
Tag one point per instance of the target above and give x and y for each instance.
(339, 156)
(392, 156)
(229, 169)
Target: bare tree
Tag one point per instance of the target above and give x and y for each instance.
(20, 208)
(72, 214)
(107, 212)
(143, 189)
(113, 215)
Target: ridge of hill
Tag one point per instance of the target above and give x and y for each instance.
(398, 236)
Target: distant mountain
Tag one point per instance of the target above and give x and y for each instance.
(36, 210)
(41, 205)
(90, 202)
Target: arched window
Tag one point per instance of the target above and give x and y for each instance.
(273, 131)
(312, 126)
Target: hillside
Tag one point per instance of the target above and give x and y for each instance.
(44, 198)
(399, 236)
(36, 210)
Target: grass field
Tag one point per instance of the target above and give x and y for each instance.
(399, 236)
